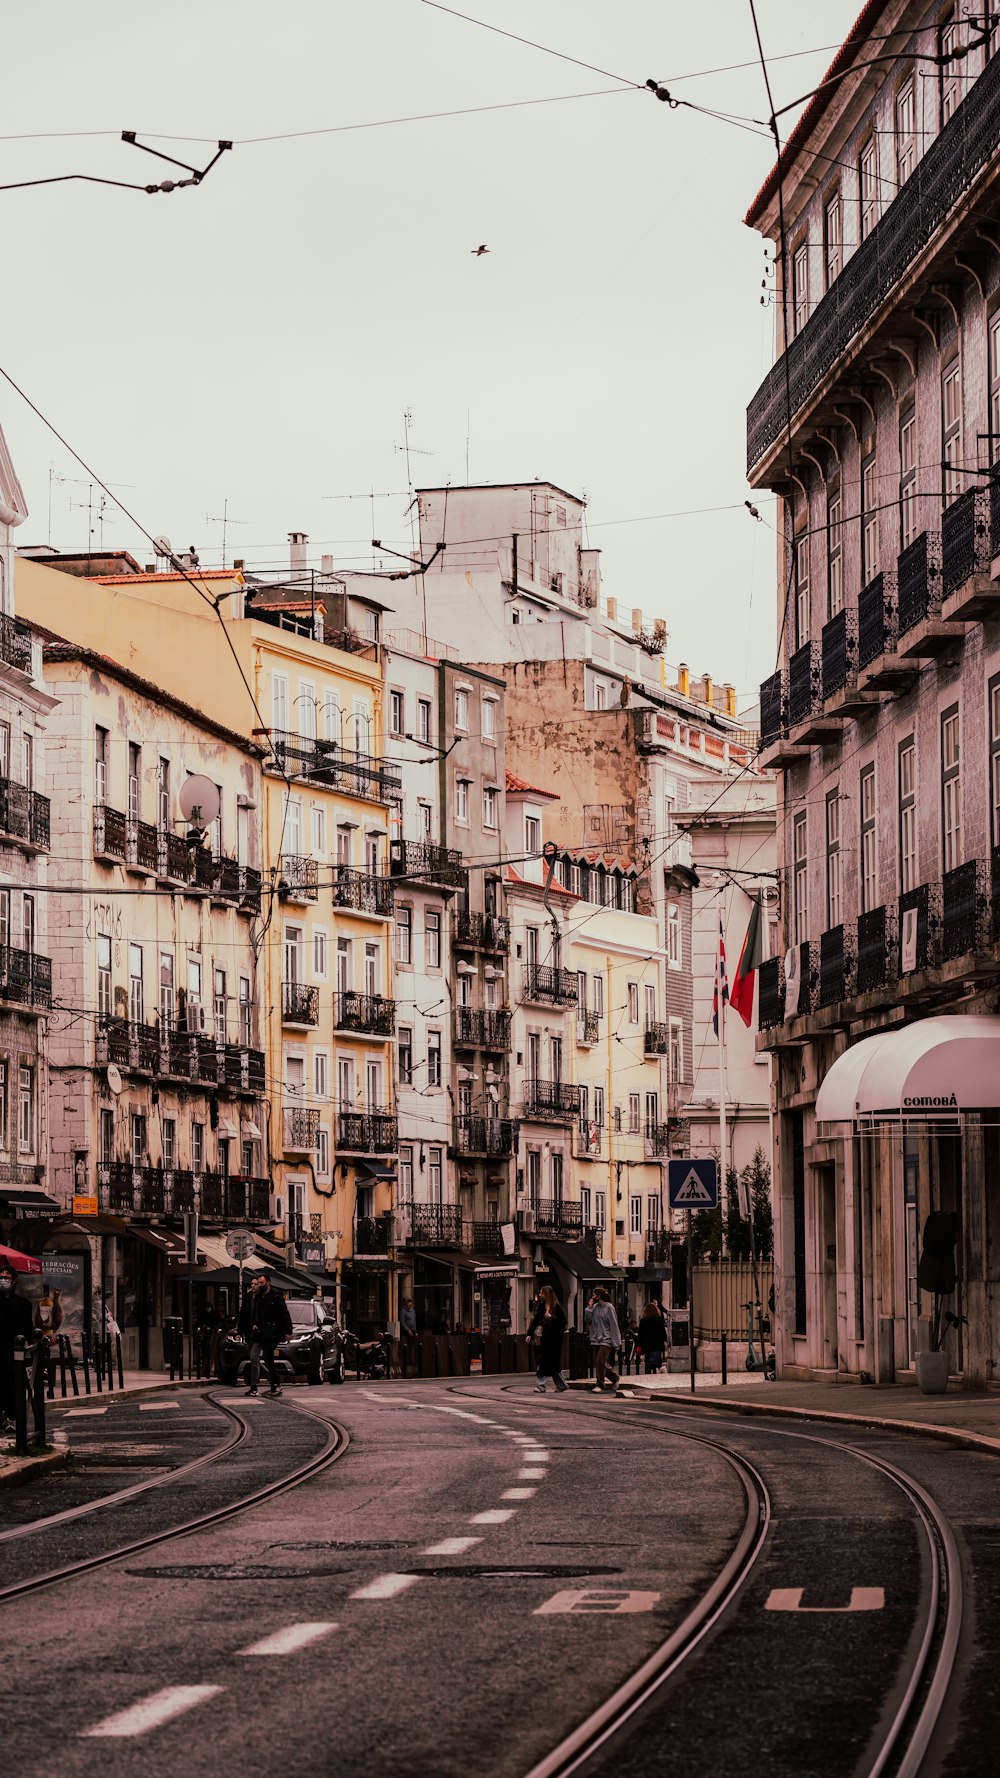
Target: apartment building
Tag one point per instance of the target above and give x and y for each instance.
(879, 429)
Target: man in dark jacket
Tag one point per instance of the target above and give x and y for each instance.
(266, 1324)
(15, 1320)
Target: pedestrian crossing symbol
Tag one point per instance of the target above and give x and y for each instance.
(693, 1185)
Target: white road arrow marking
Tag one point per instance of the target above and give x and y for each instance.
(790, 1599)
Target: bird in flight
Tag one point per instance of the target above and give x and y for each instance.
(480, 250)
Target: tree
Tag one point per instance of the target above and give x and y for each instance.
(707, 1225)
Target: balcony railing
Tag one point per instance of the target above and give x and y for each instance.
(833, 965)
(364, 894)
(546, 986)
(588, 1026)
(373, 1235)
(657, 1040)
(141, 847)
(127, 1190)
(555, 1217)
(804, 683)
(366, 1132)
(481, 932)
(299, 879)
(422, 859)
(916, 901)
(966, 144)
(995, 895)
(299, 1003)
(301, 1129)
(551, 1098)
(435, 1225)
(588, 1140)
(965, 539)
(485, 1239)
(873, 950)
(658, 1245)
(964, 900)
(772, 709)
(326, 762)
(24, 814)
(489, 1136)
(839, 648)
(655, 1140)
(486, 1028)
(25, 977)
(15, 643)
(919, 581)
(995, 510)
(371, 1013)
(771, 995)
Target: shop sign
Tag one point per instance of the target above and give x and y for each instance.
(507, 1272)
(56, 1295)
(313, 1255)
(85, 1206)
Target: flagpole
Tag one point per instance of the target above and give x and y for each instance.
(722, 1088)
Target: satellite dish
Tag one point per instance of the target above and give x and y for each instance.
(199, 801)
(114, 1078)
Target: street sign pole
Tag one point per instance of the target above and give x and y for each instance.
(690, 1272)
(191, 1246)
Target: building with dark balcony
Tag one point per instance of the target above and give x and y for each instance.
(878, 428)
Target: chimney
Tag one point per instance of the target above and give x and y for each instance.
(637, 620)
(612, 611)
(684, 680)
(706, 688)
(729, 697)
(297, 541)
(326, 564)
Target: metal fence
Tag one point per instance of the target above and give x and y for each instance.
(721, 1293)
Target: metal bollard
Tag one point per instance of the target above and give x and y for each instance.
(21, 1396)
(40, 1365)
(725, 1373)
(118, 1357)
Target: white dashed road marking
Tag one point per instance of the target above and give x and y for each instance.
(532, 1475)
(534, 1455)
(518, 1493)
(84, 1413)
(156, 1407)
(387, 1586)
(496, 1516)
(451, 1546)
(614, 1600)
(790, 1599)
(289, 1640)
(152, 1712)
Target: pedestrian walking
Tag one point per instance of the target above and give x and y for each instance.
(604, 1336)
(265, 1322)
(15, 1321)
(650, 1337)
(408, 1317)
(546, 1332)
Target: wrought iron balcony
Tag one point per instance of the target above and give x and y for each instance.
(875, 633)
(25, 977)
(301, 1129)
(658, 1245)
(964, 898)
(489, 1136)
(234, 1197)
(839, 648)
(141, 847)
(486, 1028)
(481, 932)
(15, 643)
(551, 1098)
(657, 1040)
(420, 860)
(968, 593)
(556, 1217)
(129, 1045)
(771, 994)
(340, 768)
(918, 572)
(372, 1235)
(128, 1190)
(588, 1026)
(804, 683)
(366, 1132)
(371, 1013)
(966, 144)
(834, 964)
(485, 1239)
(772, 710)
(873, 950)
(436, 1225)
(110, 839)
(299, 879)
(24, 814)
(655, 1140)
(917, 901)
(363, 893)
(299, 1003)
(545, 986)
(804, 994)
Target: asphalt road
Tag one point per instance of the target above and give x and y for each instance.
(479, 1571)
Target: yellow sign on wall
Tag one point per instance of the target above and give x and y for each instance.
(85, 1206)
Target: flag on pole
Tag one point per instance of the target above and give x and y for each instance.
(751, 957)
(721, 984)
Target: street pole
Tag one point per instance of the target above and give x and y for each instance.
(690, 1273)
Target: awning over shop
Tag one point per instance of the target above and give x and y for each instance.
(454, 1256)
(576, 1257)
(374, 1170)
(935, 1067)
(26, 1200)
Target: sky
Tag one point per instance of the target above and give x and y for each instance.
(252, 345)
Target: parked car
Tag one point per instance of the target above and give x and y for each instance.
(314, 1349)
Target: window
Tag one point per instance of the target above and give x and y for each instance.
(994, 375)
(652, 1211)
(907, 815)
(322, 1151)
(951, 790)
(600, 1210)
(220, 1000)
(800, 879)
(321, 962)
(834, 553)
(586, 1206)
(649, 996)
(868, 186)
(105, 1129)
(491, 805)
(167, 998)
(404, 935)
(321, 1074)
(318, 830)
(993, 697)
(616, 1120)
(652, 1111)
(373, 969)
(869, 847)
(423, 720)
(800, 287)
(906, 132)
(404, 1055)
(532, 835)
(633, 1003)
(139, 1144)
(197, 1148)
(332, 716)
(100, 765)
(534, 1175)
(433, 1058)
(869, 520)
(405, 1173)
(343, 965)
(425, 820)
(833, 238)
(104, 1001)
(951, 431)
(435, 1177)
(134, 781)
(432, 938)
(908, 520)
(4, 918)
(396, 715)
(635, 1215)
(168, 1143)
(293, 953)
(575, 878)
(28, 760)
(676, 1056)
(372, 865)
(291, 844)
(949, 42)
(599, 1107)
(4, 749)
(598, 1007)
(135, 994)
(489, 719)
(833, 859)
(802, 590)
(600, 694)
(556, 1173)
(633, 1114)
(344, 847)
(305, 705)
(279, 702)
(462, 787)
(245, 1012)
(461, 708)
(26, 1109)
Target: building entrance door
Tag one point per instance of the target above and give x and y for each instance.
(826, 1181)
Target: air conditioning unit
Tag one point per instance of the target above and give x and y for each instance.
(276, 1208)
(195, 1014)
(527, 1222)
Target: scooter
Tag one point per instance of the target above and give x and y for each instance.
(753, 1360)
(369, 1358)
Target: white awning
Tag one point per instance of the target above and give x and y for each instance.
(933, 1068)
(251, 1131)
(227, 1132)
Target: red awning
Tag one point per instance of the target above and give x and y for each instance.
(21, 1262)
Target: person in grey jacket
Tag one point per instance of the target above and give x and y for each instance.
(604, 1336)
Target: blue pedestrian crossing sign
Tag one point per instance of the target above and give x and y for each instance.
(693, 1185)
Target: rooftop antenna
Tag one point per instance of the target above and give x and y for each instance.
(225, 521)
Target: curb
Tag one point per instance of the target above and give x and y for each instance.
(97, 1398)
(24, 1469)
(951, 1435)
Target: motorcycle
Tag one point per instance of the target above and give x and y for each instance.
(368, 1358)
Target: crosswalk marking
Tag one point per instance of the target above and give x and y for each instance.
(84, 1413)
(518, 1493)
(790, 1599)
(152, 1712)
(496, 1516)
(387, 1586)
(156, 1407)
(532, 1475)
(288, 1640)
(451, 1546)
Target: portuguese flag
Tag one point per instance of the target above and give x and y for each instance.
(751, 957)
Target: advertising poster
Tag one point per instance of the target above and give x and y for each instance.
(57, 1295)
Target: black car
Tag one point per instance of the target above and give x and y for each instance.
(314, 1349)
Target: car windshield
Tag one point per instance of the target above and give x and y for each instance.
(302, 1314)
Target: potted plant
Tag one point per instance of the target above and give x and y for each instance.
(937, 1273)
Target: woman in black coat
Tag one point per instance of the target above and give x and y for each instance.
(651, 1337)
(550, 1320)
